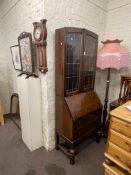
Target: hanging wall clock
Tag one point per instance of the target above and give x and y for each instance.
(40, 35)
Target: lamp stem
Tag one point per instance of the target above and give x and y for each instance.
(106, 103)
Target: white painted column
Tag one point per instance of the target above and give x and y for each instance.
(30, 111)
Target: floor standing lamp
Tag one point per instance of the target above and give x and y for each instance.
(111, 55)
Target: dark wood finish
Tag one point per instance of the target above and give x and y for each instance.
(125, 89)
(124, 95)
(104, 112)
(43, 30)
(40, 35)
(109, 162)
(78, 108)
(14, 95)
(17, 113)
(125, 92)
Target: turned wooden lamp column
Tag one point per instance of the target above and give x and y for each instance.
(111, 55)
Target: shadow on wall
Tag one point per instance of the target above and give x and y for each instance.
(4, 96)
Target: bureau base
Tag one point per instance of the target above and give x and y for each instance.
(68, 147)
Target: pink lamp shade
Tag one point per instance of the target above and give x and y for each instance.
(112, 55)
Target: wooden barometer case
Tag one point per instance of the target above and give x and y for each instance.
(40, 35)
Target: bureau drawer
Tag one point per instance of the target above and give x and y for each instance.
(120, 140)
(114, 170)
(121, 126)
(86, 130)
(118, 153)
(88, 119)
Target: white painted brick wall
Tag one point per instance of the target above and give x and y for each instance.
(118, 25)
(17, 16)
(4, 89)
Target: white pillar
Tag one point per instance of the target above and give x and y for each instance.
(30, 111)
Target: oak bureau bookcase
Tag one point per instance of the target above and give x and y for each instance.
(78, 108)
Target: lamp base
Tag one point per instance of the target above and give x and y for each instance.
(104, 113)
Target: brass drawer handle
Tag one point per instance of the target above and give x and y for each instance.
(129, 163)
(128, 144)
(126, 125)
(121, 131)
(117, 156)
